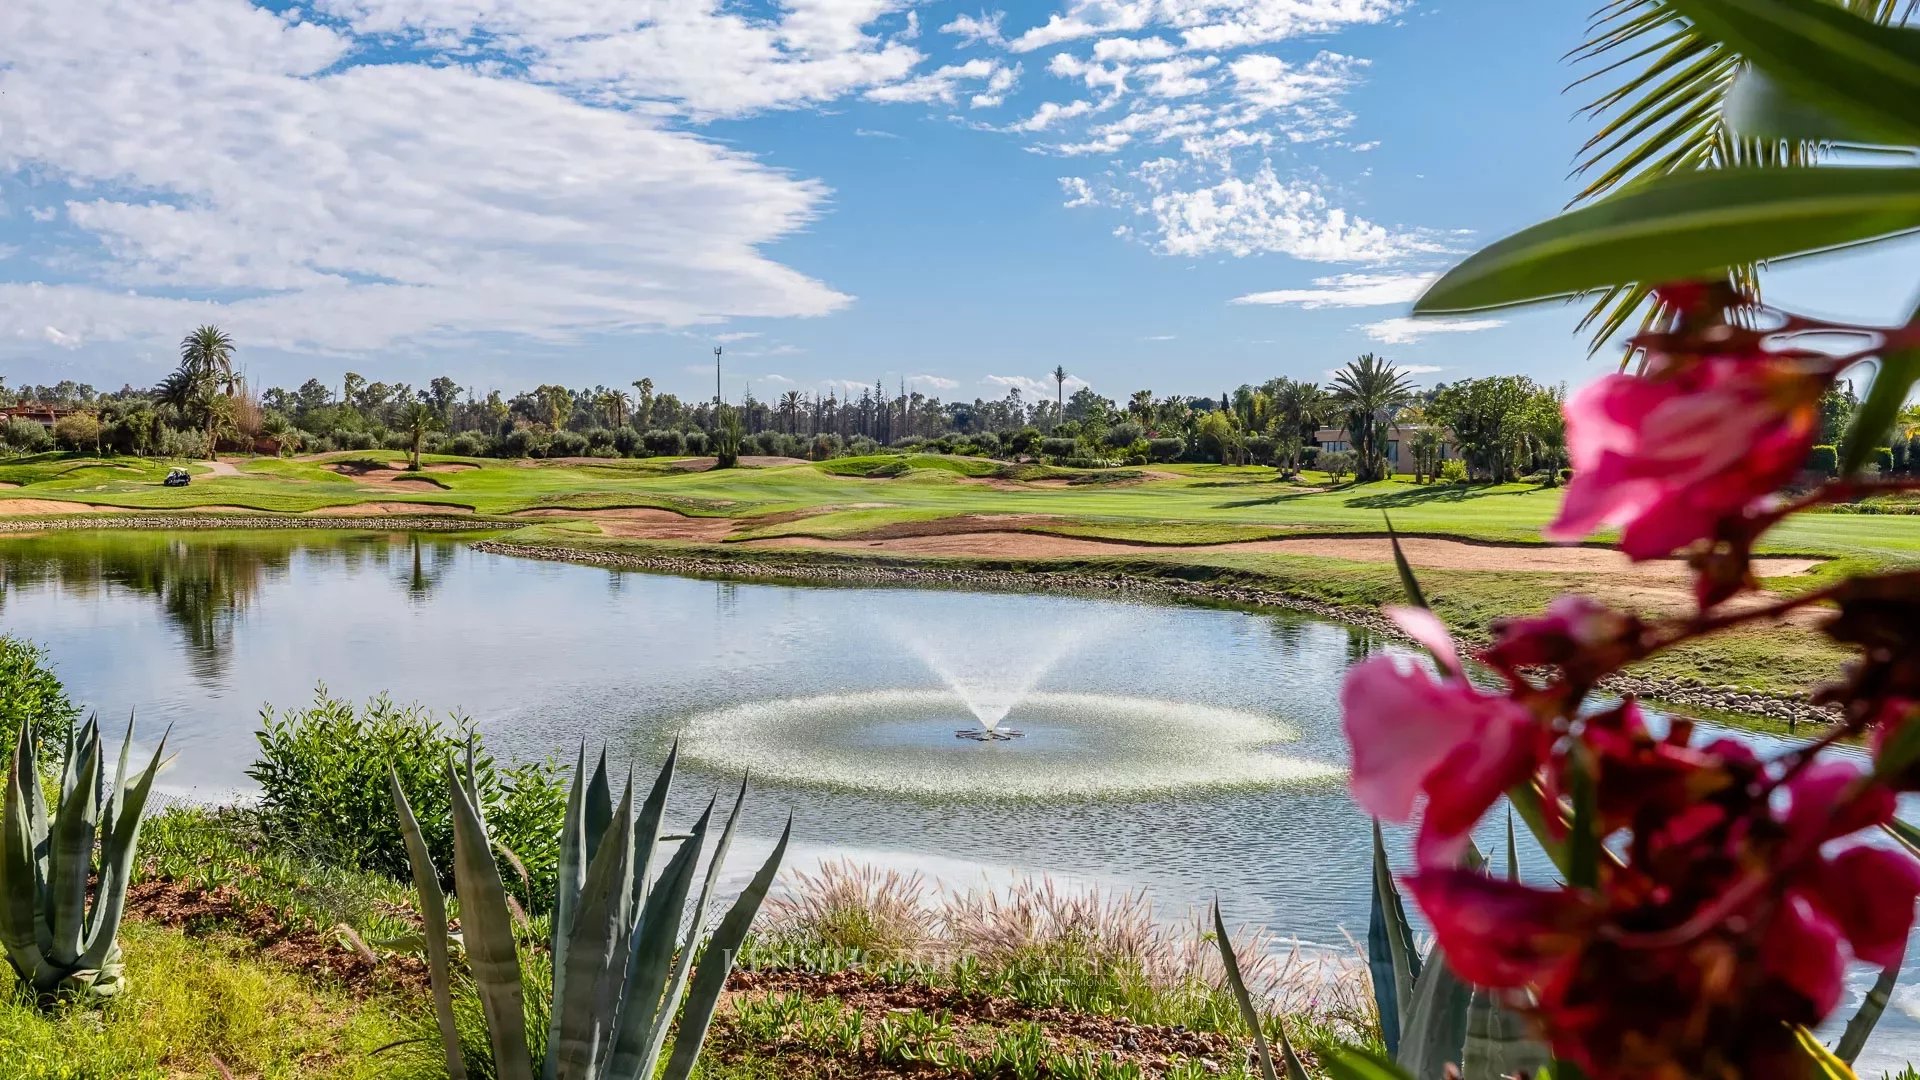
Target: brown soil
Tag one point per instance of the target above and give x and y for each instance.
(388, 508)
(47, 506)
(189, 908)
(363, 470)
(8, 484)
(974, 1017)
(449, 466)
(643, 523)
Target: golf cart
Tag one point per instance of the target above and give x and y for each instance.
(178, 478)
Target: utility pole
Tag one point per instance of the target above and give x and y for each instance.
(717, 349)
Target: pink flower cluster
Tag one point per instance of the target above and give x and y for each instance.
(1730, 891)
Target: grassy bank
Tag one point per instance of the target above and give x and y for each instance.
(245, 960)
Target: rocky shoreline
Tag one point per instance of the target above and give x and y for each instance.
(1668, 692)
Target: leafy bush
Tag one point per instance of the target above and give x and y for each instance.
(1824, 460)
(466, 444)
(78, 431)
(1166, 448)
(662, 443)
(1123, 435)
(986, 443)
(354, 440)
(1339, 463)
(1454, 471)
(1260, 448)
(694, 442)
(523, 443)
(1883, 457)
(626, 441)
(1060, 448)
(182, 444)
(567, 444)
(26, 436)
(31, 693)
(322, 773)
(825, 445)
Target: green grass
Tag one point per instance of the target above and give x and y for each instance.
(192, 1000)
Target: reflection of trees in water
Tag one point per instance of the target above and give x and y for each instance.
(205, 582)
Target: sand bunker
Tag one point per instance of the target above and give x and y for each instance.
(1422, 552)
(19, 507)
(642, 523)
(383, 509)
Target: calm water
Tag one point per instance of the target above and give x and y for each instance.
(1183, 750)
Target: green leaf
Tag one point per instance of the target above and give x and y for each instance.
(1513, 850)
(119, 839)
(1825, 1065)
(1436, 1022)
(1907, 833)
(1854, 1038)
(1757, 107)
(1583, 841)
(597, 953)
(1401, 954)
(1682, 227)
(488, 929)
(711, 978)
(1821, 53)
(1408, 583)
(1248, 1014)
(433, 913)
(1875, 416)
(1498, 1042)
(1351, 1064)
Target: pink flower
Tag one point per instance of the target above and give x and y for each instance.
(1575, 633)
(1667, 456)
(1413, 735)
(1498, 933)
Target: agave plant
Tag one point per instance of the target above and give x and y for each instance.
(56, 942)
(622, 966)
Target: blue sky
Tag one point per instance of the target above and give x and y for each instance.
(1181, 195)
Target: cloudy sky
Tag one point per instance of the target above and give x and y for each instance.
(1176, 194)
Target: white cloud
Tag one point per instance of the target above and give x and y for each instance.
(782, 379)
(1405, 331)
(1206, 24)
(702, 58)
(1178, 77)
(998, 84)
(933, 382)
(239, 167)
(1347, 290)
(1419, 369)
(735, 335)
(1051, 112)
(869, 133)
(943, 85)
(982, 29)
(1151, 48)
(1159, 337)
(1077, 190)
(1260, 214)
(56, 336)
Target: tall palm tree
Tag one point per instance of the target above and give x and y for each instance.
(1299, 409)
(417, 419)
(1140, 407)
(1060, 392)
(1369, 391)
(790, 408)
(1664, 115)
(207, 356)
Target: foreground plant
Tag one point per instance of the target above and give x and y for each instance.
(1710, 899)
(56, 942)
(621, 966)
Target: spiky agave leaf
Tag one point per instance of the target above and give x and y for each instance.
(22, 917)
(711, 976)
(1248, 1014)
(433, 912)
(597, 950)
(644, 1023)
(119, 840)
(488, 929)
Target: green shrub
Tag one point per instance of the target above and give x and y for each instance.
(1823, 461)
(1883, 457)
(663, 443)
(31, 692)
(24, 436)
(323, 789)
(1453, 472)
(1166, 448)
(1055, 447)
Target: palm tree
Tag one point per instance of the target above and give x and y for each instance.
(790, 408)
(615, 403)
(1665, 115)
(417, 419)
(1140, 407)
(1300, 408)
(1370, 391)
(1060, 389)
(207, 356)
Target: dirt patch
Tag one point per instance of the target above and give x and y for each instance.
(8, 484)
(365, 509)
(751, 461)
(642, 523)
(370, 470)
(449, 466)
(335, 957)
(18, 507)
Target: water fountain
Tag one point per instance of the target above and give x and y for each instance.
(990, 683)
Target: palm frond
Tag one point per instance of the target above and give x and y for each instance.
(1659, 111)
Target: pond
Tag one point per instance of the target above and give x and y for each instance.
(1181, 750)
